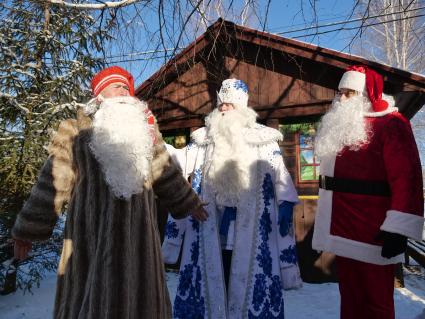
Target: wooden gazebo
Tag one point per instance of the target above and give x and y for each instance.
(291, 85)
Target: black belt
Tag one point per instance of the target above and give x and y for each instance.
(355, 186)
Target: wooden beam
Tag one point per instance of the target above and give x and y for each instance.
(267, 113)
(313, 107)
(316, 53)
(292, 111)
(172, 125)
(180, 64)
(308, 103)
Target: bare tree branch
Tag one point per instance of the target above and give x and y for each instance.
(397, 36)
(93, 6)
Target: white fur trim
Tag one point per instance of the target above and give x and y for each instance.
(353, 80)
(405, 224)
(327, 165)
(324, 241)
(382, 113)
(322, 221)
(322, 224)
(359, 251)
(257, 135)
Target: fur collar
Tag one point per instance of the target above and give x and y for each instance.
(389, 110)
(84, 121)
(256, 135)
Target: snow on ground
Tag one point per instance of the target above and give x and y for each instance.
(312, 301)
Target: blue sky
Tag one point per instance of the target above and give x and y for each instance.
(283, 16)
(287, 16)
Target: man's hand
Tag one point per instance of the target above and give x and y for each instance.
(394, 244)
(200, 214)
(21, 249)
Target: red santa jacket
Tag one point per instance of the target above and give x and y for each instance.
(348, 222)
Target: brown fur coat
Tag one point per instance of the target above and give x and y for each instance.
(111, 264)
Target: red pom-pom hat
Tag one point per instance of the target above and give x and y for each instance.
(111, 75)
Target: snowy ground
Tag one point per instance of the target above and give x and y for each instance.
(312, 301)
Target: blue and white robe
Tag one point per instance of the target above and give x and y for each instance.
(263, 262)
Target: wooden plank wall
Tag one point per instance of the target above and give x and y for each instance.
(186, 96)
(278, 89)
(315, 267)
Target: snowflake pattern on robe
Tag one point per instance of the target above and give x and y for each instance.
(240, 85)
(189, 302)
(267, 297)
(289, 255)
(171, 230)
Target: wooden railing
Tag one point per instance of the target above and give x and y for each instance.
(416, 250)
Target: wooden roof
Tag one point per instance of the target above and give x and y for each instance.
(287, 78)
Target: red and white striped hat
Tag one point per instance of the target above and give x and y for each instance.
(111, 75)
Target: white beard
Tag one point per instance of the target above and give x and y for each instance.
(342, 126)
(122, 144)
(229, 172)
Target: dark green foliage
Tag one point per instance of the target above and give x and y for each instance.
(304, 128)
(47, 58)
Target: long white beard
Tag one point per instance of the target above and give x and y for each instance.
(122, 144)
(342, 126)
(229, 172)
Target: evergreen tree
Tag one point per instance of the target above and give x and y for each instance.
(48, 54)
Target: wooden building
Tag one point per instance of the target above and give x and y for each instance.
(291, 85)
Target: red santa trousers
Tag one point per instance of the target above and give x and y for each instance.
(367, 290)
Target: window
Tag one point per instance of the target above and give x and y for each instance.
(308, 163)
(299, 152)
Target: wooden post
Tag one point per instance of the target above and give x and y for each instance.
(399, 278)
